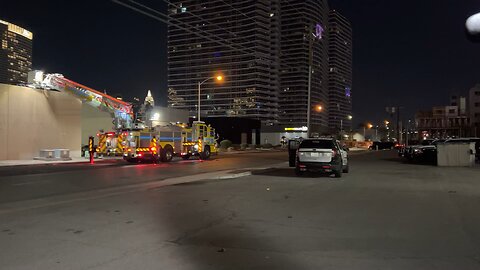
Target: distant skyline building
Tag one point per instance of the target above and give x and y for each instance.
(15, 53)
(474, 108)
(149, 99)
(304, 34)
(441, 122)
(340, 72)
(460, 101)
(241, 41)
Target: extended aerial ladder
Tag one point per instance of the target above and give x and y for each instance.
(120, 111)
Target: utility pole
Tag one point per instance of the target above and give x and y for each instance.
(311, 35)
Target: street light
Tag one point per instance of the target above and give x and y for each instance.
(369, 126)
(219, 78)
(349, 117)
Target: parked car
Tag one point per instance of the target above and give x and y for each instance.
(426, 151)
(407, 151)
(382, 145)
(423, 153)
(321, 155)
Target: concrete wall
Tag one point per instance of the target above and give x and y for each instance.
(31, 120)
(94, 120)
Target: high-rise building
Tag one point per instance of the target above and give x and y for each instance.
(340, 73)
(304, 42)
(474, 108)
(15, 53)
(240, 40)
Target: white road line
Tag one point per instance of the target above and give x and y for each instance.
(31, 183)
(235, 175)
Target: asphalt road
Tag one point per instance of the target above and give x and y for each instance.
(38, 181)
(382, 215)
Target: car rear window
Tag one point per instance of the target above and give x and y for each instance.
(321, 144)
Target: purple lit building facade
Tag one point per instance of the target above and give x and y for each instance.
(304, 21)
(340, 73)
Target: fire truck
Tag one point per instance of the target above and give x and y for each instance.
(199, 140)
(163, 143)
(158, 144)
(110, 143)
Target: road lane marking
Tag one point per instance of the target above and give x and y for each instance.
(32, 182)
(235, 175)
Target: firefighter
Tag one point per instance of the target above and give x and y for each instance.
(91, 148)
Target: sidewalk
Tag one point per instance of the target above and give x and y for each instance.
(249, 151)
(6, 163)
(263, 150)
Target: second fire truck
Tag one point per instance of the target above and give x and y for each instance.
(163, 143)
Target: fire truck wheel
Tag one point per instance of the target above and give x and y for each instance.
(206, 153)
(167, 154)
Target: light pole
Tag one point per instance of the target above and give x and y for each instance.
(364, 130)
(219, 78)
(349, 117)
(311, 37)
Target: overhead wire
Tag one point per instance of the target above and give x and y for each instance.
(217, 40)
(196, 27)
(203, 19)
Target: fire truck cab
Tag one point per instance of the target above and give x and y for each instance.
(199, 140)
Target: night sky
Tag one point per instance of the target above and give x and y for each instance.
(410, 53)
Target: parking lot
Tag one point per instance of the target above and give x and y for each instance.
(384, 214)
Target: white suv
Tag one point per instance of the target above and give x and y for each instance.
(323, 155)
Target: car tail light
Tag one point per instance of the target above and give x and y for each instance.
(140, 155)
